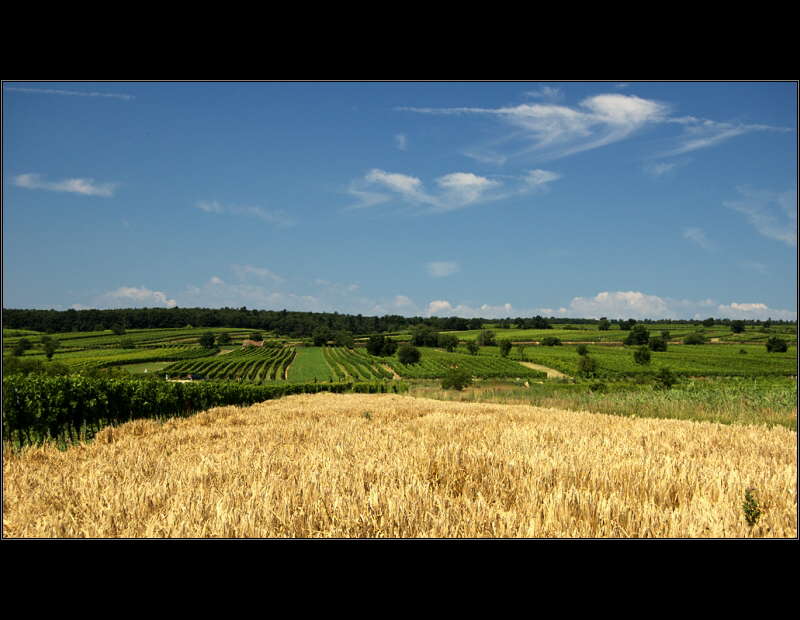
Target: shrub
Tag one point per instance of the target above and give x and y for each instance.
(505, 347)
(456, 379)
(486, 338)
(638, 335)
(256, 336)
(473, 347)
(448, 342)
(587, 366)
(207, 340)
(752, 511)
(598, 387)
(551, 341)
(604, 325)
(224, 338)
(743, 351)
(582, 349)
(737, 327)
(657, 344)
(521, 351)
(695, 338)
(375, 345)
(664, 379)
(408, 354)
(777, 345)
(389, 347)
(642, 355)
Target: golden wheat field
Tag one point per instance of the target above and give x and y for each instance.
(364, 466)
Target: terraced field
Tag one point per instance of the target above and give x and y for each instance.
(252, 364)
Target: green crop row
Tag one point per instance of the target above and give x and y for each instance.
(67, 408)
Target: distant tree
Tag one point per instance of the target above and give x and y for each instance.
(448, 342)
(777, 345)
(521, 351)
(50, 345)
(256, 336)
(638, 335)
(550, 341)
(486, 338)
(694, 338)
(320, 336)
(224, 338)
(642, 355)
(456, 379)
(737, 327)
(582, 349)
(709, 322)
(664, 379)
(473, 347)
(627, 325)
(424, 336)
(505, 347)
(23, 344)
(665, 335)
(375, 345)
(539, 322)
(343, 338)
(604, 324)
(118, 329)
(408, 354)
(207, 340)
(99, 328)
(587, 366)
(389, 347)
(657, 344)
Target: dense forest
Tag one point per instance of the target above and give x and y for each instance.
(283, 322)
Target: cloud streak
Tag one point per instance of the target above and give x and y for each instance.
(279, 218)
(69, 93)
(87, 187)
(453, 191)
(772, 214)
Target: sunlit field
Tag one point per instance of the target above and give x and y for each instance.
(364, 466)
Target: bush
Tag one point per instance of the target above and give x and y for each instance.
(587, 366)
(224, 338)
(737, 327)
(598, 387)
(408, 354)
(664, 379)
(448, 342)
(505, 347)
(473, 347)
(207, 340)
(642, 355)
(375, 345)
(657, 344)
(582, 349)
(638, 335)
(551, 341)
(777, 345)
(486, 338)
(695, 338)
(456, 379)
(256, 336)
(521, 351)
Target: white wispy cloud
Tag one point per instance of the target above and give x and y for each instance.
(552, 131)
(442, 307)
(137, 296)
(87, 187)
(755, 311)
(453, 191)
(278, 218)
(69, 93)
(699, 133)
(442, 269)
(659, 169)
(401, 141)
(243, 271)
(548, 93)
(698, 236)
(772, 214)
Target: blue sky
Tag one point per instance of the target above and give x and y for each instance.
(492, 199)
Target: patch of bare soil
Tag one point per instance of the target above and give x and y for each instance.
(552, 373)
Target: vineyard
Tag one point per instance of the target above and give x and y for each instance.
(251, 364)
(436, 363)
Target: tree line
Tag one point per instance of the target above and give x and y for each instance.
(289, 323)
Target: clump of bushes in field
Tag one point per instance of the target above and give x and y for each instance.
(587, 366)
(664, 379)
(642, 355)
(456, 379)
(638, 335)
(408, 354)
(694, 338)
(381, 346)
(551, 341)
(582, 349)
(657, 343)
(777, 345)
